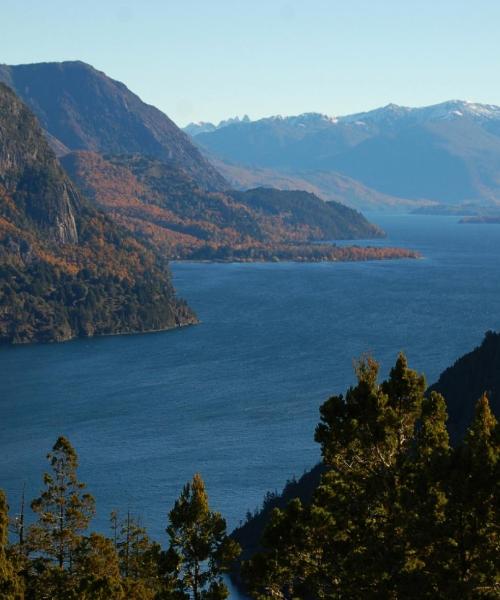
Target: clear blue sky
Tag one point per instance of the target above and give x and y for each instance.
(210, 59)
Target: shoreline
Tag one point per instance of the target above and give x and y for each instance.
(99, 335)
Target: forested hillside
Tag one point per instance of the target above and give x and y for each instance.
(134, 163)
(169, 209)
(65, 269)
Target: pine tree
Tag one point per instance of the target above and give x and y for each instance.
(424, 498)
(200, 549)
(96, 569)
(353, 540)
(64, 510)
(139, 557)
(10, 584)
(474, 511)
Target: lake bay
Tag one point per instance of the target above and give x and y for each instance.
(236, 398)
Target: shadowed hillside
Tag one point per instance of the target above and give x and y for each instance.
(83, 109)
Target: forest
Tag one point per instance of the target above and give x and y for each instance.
(398, 511)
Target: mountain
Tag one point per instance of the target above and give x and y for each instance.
(304, 216)
(447, 153)
(205, 127)
(81, 108)
(132, 161)
(66, 270)
(168, 208)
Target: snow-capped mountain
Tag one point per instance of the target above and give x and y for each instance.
(444, 153)
(451, 109)
(194, 129)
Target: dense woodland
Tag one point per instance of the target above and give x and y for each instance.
(67, 270)
(168, 208)
(395, 512)
(461, 384)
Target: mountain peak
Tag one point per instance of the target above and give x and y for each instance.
(84, 109)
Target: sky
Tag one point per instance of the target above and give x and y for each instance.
(213, 59)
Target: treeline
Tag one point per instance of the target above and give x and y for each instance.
(300, 252)
(55, 558)
(398, 513)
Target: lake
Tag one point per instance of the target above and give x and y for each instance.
(236, 398)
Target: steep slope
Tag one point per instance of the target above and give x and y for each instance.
(447, 153)
(464, 383)
(65, 269)
(83, 109)
(169, 209)
(249, 534)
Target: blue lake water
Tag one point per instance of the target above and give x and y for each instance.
(236, 398)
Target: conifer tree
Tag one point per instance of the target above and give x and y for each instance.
(10, 584)
(474, 511)
(139, 557)
(352, 541)
(64, 510)
(96, 569)
(200, 549)
(424, 502)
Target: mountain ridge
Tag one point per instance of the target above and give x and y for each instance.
(168, 208)
(82, 108)
(133, 163)
(447, 108)
(448, 153)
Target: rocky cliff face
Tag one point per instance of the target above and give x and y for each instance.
(31, 175)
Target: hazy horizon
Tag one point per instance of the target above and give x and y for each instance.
(206, 62)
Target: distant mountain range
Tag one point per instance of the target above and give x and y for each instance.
(133, 162)
(448, 154)
(205, 127)
(67, 270)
